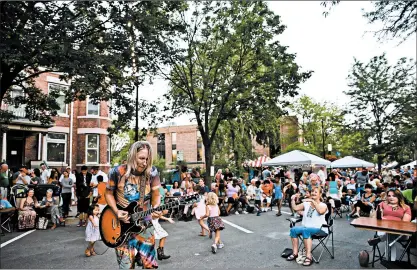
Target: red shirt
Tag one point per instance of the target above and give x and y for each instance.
(390, 214)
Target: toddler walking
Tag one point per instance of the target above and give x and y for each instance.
(215, 223)
(92, 232)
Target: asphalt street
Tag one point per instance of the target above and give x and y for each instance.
(250, 241)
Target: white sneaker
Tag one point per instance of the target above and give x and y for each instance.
(263, 209)
(214, 248)
(221, 245)
(236, 213)
(244, 212)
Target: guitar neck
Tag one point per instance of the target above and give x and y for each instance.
(143, 214)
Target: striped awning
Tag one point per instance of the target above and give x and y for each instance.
(258, 162)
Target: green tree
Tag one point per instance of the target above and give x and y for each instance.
(380, 94)
(232, 63)
(90, 44)
(399, 18)
(320, 124)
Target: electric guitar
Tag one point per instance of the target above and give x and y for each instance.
(114, 232)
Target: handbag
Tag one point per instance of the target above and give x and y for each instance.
(42, 223)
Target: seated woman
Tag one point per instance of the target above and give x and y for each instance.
(313, 219)
(394, 208)
(365, 204)
(52, 208)
(233, 197)
(175, 190)
(27, 214)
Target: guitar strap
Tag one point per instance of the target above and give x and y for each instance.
(142, 189)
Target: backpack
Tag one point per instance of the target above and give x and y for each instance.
(286, 253)
(363, 258)
(42, 223)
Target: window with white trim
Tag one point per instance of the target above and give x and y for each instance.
(92, 148)
(108, 149)
(56, 145)
(92, 108)
(61, 89)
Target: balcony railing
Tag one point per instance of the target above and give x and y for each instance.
(18, 112)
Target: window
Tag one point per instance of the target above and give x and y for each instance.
(108, 149)
(61, 89)
(174, 146)
(91, 149)
(56, 145)
(93, 109)
(199, 147)
(161, 145)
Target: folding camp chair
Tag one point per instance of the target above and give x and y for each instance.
(6, 220)
(323, 236)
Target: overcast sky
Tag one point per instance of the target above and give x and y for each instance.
(325, 45)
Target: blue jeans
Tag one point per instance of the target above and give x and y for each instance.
(359, 189)
(306, 232)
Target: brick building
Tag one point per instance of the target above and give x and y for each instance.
(178, 142)
(184, 142)
(78, 135)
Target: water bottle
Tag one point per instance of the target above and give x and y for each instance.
(347, 217)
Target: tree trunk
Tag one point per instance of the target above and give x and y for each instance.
(379, 154)
(208, 160)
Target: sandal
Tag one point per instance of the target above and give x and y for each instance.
(87, 252)
(308, 261)
(93, 252)
(292, 257)
(201, 234)
(278, 214)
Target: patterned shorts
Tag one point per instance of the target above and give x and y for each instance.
(144, 245)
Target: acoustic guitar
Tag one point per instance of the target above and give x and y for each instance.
(114, 233)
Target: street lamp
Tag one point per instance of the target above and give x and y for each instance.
(136, 71)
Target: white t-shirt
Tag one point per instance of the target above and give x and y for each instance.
(311, 218)
(320, 173)
(45, 175)
(94, 182)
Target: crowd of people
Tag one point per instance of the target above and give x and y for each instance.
(307, 194)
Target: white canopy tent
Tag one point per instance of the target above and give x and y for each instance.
(351, 162)
(411, 164)
(297, 158)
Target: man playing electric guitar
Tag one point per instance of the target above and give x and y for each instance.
(124, 186)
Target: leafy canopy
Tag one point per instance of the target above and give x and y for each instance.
(90, 43)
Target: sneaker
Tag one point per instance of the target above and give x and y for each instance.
(236, 213)
(258, 214)
(221, 245)
(214, 248)
(264, 211)
(244, 212)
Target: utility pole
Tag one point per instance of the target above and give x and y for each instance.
(322, 137)
(137, 111)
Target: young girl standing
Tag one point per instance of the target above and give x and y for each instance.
(92, 232)
(215, 223)
(200, 212)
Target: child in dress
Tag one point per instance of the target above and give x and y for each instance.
(215, 223)
(92, 232)
(200, 212)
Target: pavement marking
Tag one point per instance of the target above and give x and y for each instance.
(288, 213)
(16, 238)
(236, 226)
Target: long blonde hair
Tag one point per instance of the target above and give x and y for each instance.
(212, 199)
(132, 163)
